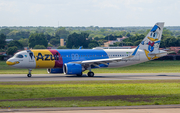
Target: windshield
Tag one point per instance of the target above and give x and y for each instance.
(18, 56)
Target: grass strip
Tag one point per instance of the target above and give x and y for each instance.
(149, 92)
(40, 104)
(166, 100)
(89, 82)
(73, 90)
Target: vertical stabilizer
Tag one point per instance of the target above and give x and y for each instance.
(151, 42)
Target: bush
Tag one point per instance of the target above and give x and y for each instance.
(39, 47)
(91, 45)
(62, 47)
(12, 50)
(50, 45)
(2, 50)
(1, 57)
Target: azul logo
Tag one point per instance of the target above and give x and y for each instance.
(47, 57)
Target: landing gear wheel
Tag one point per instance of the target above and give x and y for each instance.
(79, 75)
(28, 75)
(90, 74)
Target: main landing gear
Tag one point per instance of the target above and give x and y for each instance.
(90, 74)
(29, 74)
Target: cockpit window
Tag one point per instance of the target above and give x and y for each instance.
(19, 56)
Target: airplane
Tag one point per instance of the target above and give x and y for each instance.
(76, 61)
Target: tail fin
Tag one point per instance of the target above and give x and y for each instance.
(151, 42)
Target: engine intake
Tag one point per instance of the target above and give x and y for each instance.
(71, 68)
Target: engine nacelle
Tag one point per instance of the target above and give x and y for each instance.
(71, 68)
(55, 70)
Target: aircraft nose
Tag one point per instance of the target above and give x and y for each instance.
(11, 63)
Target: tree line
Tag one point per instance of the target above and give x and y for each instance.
(75, 39)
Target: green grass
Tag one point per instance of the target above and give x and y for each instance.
(73, 90)
(147, 67)
(168, 89)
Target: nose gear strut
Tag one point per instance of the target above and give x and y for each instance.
(29, 74)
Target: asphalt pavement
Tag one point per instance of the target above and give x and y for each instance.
(108, 76)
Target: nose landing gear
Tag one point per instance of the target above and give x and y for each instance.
(29, 74)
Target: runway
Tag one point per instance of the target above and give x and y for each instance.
(109, 76)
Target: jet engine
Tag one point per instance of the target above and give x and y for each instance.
(55, 70)
(71, 68)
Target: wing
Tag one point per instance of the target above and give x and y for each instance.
(97, 62)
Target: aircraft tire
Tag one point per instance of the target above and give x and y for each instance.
(90, 74)
(28, 75)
